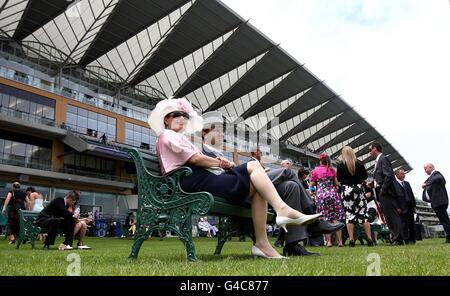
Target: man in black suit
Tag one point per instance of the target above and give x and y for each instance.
(408, 206)
(59, 214)
(387, 193)
(434, 191)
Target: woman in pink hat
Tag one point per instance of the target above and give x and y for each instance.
(171, 119)
(328, 200)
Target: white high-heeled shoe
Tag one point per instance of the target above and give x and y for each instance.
(256, 252)
(282, 221)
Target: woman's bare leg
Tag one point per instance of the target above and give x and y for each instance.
(350, 230)
(264, 187)
(82, 234)
(259, 215)
(367, 230)
(77, 228)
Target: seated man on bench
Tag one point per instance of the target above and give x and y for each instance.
(57, 215)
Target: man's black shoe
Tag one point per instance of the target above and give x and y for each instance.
(370, 243)
(351, 244)
(393, 244)
(278, 244)
(297, 250)
(324, 227)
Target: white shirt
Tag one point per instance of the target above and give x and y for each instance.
(376, 163)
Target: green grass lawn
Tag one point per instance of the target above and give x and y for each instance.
(168, 257)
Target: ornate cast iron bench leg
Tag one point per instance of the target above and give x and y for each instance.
(226, 230)
(139, 238)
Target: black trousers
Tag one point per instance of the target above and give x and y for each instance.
(409, 230)
(53, 224)
(441, 213)
(393, 219)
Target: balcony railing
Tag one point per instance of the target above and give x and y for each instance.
(47, 167)
(128, 111)
(27, 116)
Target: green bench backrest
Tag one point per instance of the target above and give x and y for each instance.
(220, 207)
(29, 215)
(4, 218)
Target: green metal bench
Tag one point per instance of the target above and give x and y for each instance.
(4, 221)
(163, 205)
(28, 231)
(360, 235)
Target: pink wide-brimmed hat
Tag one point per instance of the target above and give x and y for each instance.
(164, 107)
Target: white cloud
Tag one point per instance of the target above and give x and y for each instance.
(388, 59)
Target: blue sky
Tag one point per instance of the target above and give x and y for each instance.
(388, 59)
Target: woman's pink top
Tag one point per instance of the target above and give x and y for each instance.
(174, 150)
(322, 172)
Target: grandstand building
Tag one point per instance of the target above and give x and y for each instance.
(72, 72)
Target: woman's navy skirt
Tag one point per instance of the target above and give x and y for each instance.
(233, 185)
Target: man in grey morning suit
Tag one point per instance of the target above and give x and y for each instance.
(434, 191)
(386, 193)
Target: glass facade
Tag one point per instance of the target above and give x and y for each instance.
(89, 163)
(91, 123)
(139, 136)
(25, 102)
(19, 152)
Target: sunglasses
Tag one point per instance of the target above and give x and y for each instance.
(176, 114)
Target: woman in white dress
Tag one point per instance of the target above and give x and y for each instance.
(35, 200)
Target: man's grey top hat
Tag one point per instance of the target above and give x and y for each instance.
(212, 117)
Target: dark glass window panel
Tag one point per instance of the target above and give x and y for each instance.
(82, 122)
(111, 120)
(92, 115)
(29, 151)
(102, 127)
(48, 112)
(152, 140)
(71, 119)
(69, 159)
(12, 102)
(128, 135)
(5, 100)
(7, 147)
(33, 107)
(18, 149)
(22, 105)
(72, 109)
(146, 139)
(137, 136)
(90, 162)
(82, 112)
(92, 124)
(102, 118)
(39, 109)
(111, 129)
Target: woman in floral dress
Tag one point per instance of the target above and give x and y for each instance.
(328, 201)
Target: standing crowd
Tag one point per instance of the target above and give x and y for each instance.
(332, 199)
